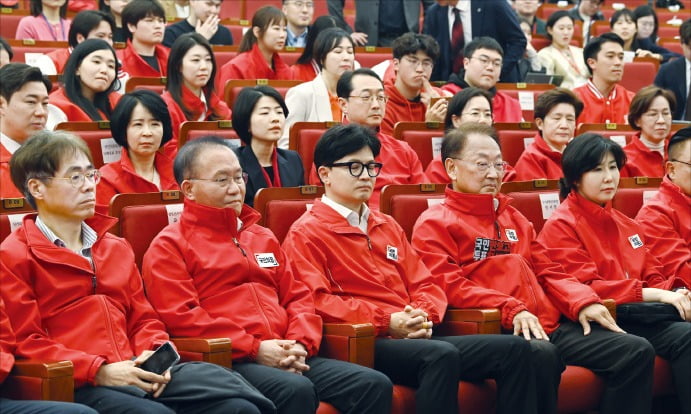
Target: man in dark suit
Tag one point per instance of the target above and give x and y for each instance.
(379, 22)
(493, 18)
(676, 75)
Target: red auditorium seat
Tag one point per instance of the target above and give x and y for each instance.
(21, 47)
(190, 130)
(639, 73)
(621, 133)
(303, 138)
(12, 210)
(514, 138)
(98, 137)
(529, 92)
(423, 138)
(9, 20)
(369, 56)
(632, 193)
(234, 86)
(157, 85)
(281, 206)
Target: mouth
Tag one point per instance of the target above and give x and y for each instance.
(276, 128)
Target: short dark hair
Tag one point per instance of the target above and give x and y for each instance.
(138, 10)
(263, 18)
(36, 8)
(410, 43)
(483, 42)
(41, 155)
(674, 147)
(15, 75)
(644, 98)
(644, 11)
(6, 46)
(685, 32)
(186, 159)
(461, 99)
(341, 140)
(320, 23)
(327, 41)
(122, 114)
(549, 99)
(626, 13)
(594, 46)
(344, 87)
(583, 154)
(72, 83)
(455, 139)
(244, 106)
(553, 19)
(85, 21)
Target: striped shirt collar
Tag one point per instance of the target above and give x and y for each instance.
(597, 93)
(89, 237)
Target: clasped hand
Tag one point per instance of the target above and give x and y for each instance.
(284, 354)
(410, 324)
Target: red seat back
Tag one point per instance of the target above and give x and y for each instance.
(524, 92)
(281, 206)
(514, 138)
(424, 138)
(630, 200)
(9, 20)
(620, 133)
(12, 211)
(637, 75)
(234, 86)
(369, 56)
(98, 138)
(536, 206)
(303, 138)
(196, 129)
(406, 202)
(157, 85)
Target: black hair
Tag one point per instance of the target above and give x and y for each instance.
(244, 106)
(86, 21)
(320, 23)
(36, 8)
(263, 18)
(342, 140)
(584, 153)
(461, 99)
(622, 12)
(685, 32)
(483, 42)
(122, 114)
(644, 11)
(410, 43)
(15, 75)
(138, 10)
(345, 84)
(175, 82)
(678, 138)
(327, 41)
(72, 82)
(186, 159)
(594, 46)
(6, 46)
(553, 19)
(455, 139)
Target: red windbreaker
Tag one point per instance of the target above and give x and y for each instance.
(666, 222)
(505, 108)
(73, 111)
(357, 277)
(7, 342)
(400, 109)
(641, 161)
(205, 278)
(135, 65)
(119, 177)
(7, 188)
(515, 277)
(539, 161)
(599, 109)
(64, 308)
(59, 58)
(436, 173)
(251, 65)
(603, 248)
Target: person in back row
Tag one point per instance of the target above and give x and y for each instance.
(484, 254)
(204, 20)
(361, 268)
(299, 14)
(217, 273)
(144, 22)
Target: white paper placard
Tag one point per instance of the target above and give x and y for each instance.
(16, 220)
(628, 56)
(647, 195)
(619, 139)
(174, 211)
(549, 202)
(527, 141)
(434, 201)
(436, 146)
(527, 100)
(33, 59)
(309, 206)
(110, 150)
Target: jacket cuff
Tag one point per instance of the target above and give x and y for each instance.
(96, 364)
(507, 316)
(383, 327)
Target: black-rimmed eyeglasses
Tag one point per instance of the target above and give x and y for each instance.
(356, 167)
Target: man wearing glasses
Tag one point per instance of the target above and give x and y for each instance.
(483, 253)
(411, 94)
(361, 268)
(299, 14)
(217, 273)
(482, 63)
(363, 102)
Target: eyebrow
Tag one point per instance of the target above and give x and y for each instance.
(76, 168)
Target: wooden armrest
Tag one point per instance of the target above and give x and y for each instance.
(353, 343)
(470, 321)
(611, 306)
(40, 380)
(214, 350)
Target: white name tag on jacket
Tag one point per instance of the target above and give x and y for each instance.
(392, 253)
(635, 241)
(511, 235)
(266, 259)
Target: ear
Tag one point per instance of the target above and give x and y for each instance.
(343, 103)
(132, 27)
(591, 63)
(449, 166)
(80, 38)
(539, 123)
(466, 61)
(3, 105)
(670, 169)
(323, 173)
(396, 63)
(255, 31)
(186, 188)
(455, 121)
(35, 188)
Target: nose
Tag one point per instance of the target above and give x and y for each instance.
(41, 110)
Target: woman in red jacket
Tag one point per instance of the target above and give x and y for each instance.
(141, 125)
(307, 67)
(651, 114)
(190, 93)
(605, 249)
(258, 58)
(89, 83)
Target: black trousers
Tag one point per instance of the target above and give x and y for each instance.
(625, 362)
(671, 341)
(435, 366)
(195, 387)
(349, 387)
(42, 407)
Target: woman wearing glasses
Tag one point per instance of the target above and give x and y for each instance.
(650, 113)
(625, 24)
(259, 116)
(141, 126)
(556, 112)
(560, 57)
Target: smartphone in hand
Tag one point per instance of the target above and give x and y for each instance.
(161, 360)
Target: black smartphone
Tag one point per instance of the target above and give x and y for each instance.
(161, 360)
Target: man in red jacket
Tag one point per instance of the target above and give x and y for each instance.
(216, 272)
(73, 292)
(666, 218)
(484, 254)
(145, 23)
(361, 269)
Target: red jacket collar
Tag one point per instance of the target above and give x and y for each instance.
(101, 223)
(277, 63)
(674, 191)
(218, 219)
(588, 207)
(546, 149)
(476, 204)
